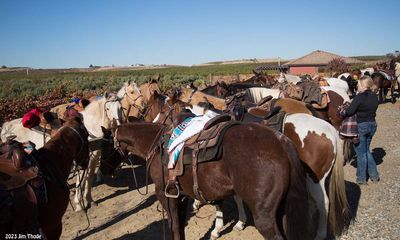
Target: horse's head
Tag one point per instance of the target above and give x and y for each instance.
(77, 130)
(356, 74)
(133, 98)
(110, 156)
(262, 79)
(238, 104)
(148, 88)
(221, 89)
(154, 106)
(113, 107)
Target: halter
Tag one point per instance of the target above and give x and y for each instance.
(191, 95)
(105, 109)
(132, 105)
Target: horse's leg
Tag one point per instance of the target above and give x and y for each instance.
(385, 92)
(219, 221)
(170, 205)
(381, 95)
(264, 204)
(242, 214)
(318, 192)
(392, 95)
(90, 178)
(80, 178)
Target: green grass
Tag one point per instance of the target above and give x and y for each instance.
(16, 85)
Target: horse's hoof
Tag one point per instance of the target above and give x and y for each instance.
(239, 226)
(214, 235)
(78, 208)
(90, 204)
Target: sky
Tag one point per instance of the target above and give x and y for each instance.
(62, 34)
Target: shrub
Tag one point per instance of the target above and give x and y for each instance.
(337, 65)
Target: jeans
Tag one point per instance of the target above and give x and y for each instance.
(365, 160)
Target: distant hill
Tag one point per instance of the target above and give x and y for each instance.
(244, 61)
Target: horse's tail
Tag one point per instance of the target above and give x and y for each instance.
(347, 154)
(338, 206)
(298, 219)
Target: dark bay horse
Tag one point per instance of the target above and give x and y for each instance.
(55, 160)
(383, 85)
(264, 172)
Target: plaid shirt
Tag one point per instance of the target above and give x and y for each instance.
(348, 128)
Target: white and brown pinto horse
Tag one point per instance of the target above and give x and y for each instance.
(321, 150)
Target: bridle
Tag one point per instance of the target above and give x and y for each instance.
(149, 156)
(133, 104)
(106, 109)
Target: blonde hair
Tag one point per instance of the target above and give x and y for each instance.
(366, 82)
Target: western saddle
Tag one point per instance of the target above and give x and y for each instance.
(203, 147)
(19, 182)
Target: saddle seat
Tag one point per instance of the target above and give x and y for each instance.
(203, 147)
(324, 100)
(21, 189)
(272, 119)
(16, 167)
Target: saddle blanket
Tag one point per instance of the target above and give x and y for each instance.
(258, 93)
(187, 129)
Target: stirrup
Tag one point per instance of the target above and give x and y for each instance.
(172, 195)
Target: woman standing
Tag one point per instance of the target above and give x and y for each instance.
(364, 105)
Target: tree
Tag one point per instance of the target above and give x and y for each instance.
(4, 66)
(337, 65)
(91, 66)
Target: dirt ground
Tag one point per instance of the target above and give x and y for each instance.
(122, 213)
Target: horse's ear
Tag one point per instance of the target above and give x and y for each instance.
(158, 78)
(103, 129)
(255, 73)
(192, 86)
(223, 84)
(106, 94)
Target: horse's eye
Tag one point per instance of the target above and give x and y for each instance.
(132, 92)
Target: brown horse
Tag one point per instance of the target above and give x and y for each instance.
(264, 172)
(383, 85)
(55, 160)
(320, 149)
(262, 79)
(194, 97)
